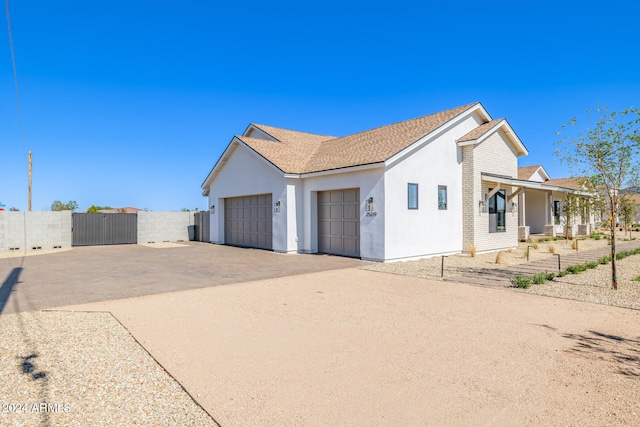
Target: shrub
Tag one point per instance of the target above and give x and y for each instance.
(591, 264)
(540, 278)
(551, 276)
(574, 244)
(598, 237)
(536, 245)
(605, 260)
(472, 250)
(637, 279)
(522, 282)
(552, 249)
(562, 273)
(572, 269)
(499, 256)
(529, 240)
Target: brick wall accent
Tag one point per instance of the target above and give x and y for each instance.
(494, 155)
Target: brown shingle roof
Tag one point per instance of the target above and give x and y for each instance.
(292, 136)
(289, 157)
(571, 183)
(302, 152)
(379, 144)
(480, 130)
(525, 172)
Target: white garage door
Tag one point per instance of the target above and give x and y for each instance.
(247, 221)
(339, 222)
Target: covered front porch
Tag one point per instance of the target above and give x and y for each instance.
(542, 208)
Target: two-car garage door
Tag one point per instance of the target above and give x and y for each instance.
(247, 221)
(339, 222)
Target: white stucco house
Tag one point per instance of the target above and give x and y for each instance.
(434, 185)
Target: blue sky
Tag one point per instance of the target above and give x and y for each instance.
(131, 103)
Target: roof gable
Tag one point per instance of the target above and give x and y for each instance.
(527, 172)
(482, 132)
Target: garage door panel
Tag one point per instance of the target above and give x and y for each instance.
(349, 229)
(349, 196)
(339, 222)
(323, 197)
(349, 246)
(248, 221)
(336, 212)
(323, 228)
(324, 211)
(350, 211)
(335, 196)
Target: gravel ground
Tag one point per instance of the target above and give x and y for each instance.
(595, 285)
(89, 370)
(16, 254)
(591, 285)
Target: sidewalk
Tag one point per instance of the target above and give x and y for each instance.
(501, 276)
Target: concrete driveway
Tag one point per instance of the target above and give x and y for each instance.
(102, 273)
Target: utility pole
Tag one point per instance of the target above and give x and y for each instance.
(30, 170)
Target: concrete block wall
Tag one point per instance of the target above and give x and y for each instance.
(160, 227)
(25, 231)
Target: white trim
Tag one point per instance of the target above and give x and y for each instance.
(531, 184)
(516, 142)
(253, 127)
(335, 171)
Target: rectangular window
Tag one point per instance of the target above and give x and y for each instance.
(413, 196)
(557, 211)
(442, 197)
(497, 208)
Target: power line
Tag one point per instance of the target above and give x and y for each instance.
(15, 79)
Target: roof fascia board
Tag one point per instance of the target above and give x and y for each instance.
(543, 172)
(336, 171)
(215, 169)
(401, 155)
(515, 141)
(534, 185)
(257, 129)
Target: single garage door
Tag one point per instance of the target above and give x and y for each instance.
(339, 222)
(247, 221)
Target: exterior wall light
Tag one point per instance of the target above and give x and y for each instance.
(514, 206)
(213, 209)
(369, 205)
(276, 206)
(481, 206)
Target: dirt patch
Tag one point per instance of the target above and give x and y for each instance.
(355, 347)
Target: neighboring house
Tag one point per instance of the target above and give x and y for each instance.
(439, 184)
(120, 210)
(635, 199)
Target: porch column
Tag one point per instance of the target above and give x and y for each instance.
(523, 228)
(550, 227)
(522, 220)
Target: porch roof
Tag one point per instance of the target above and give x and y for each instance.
(523, 183)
